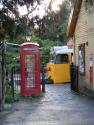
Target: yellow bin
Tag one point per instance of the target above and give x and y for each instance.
(58, 69)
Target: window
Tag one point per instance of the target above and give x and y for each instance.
(62, 58)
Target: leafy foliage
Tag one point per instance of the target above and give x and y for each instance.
(11, 23)
(53, 26)
(45, 46)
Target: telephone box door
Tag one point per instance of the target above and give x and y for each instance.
(30, 72)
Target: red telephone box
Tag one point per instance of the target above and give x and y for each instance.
(30, 69)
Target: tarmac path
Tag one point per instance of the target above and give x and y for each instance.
(58, 106)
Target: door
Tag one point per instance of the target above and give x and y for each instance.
(31, 74)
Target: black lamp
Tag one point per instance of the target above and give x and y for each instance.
(28, 35)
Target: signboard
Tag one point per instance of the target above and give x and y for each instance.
(70, 43)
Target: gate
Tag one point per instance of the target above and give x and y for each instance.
(15, 82)
(12, 72)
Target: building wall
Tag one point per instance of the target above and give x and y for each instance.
(84, 33)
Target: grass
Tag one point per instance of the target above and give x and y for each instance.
(8, 99)
(17, 95)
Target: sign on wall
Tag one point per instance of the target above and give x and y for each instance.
(70, 43)
(81, 59)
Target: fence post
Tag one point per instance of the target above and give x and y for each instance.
(3, 76)
(12, 82)
(43, 79)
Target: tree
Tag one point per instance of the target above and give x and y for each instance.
(54, 25)
(11, 20)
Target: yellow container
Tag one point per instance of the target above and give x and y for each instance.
(58, 73)
(58, 69)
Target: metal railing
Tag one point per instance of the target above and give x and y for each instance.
(15, 82)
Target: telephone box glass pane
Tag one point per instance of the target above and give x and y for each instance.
(30, 70)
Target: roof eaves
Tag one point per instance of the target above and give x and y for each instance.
(72, 24)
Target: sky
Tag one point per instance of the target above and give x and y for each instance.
(41, 11)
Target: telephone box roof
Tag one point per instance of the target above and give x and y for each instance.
(29, 43)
